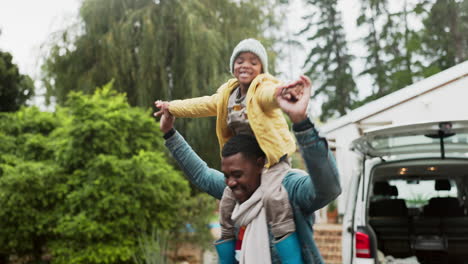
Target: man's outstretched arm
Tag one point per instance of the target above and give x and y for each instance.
(323, 174)
(207, 179)
(322, 185)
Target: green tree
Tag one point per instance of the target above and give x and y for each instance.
(402, 47)
(394, 60)
(30, 183)
(329, 61)
(373, 12)
(165, 49)
(444, 37)
(86, 182)
(15, 88)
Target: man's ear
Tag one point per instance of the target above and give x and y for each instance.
(261, 162)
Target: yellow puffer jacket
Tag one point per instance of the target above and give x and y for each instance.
(265, 117)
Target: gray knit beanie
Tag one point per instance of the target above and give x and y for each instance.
(250, 45)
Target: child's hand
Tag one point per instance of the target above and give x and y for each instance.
(162, 105)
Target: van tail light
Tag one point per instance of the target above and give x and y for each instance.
(363, 245)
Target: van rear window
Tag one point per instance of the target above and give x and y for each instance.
(417, 193)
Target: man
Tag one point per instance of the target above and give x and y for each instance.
(242, 165)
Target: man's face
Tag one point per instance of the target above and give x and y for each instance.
(242, 175)
(246, 67)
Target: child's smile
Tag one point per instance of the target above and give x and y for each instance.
(246, 67)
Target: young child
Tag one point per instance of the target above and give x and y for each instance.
(247, 105)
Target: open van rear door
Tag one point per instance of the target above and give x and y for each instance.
(433, 139)
(417, 140)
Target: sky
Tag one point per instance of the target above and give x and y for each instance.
(26, 25)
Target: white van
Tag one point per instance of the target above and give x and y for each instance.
(408, 203)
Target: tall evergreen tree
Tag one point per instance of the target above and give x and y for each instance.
(15, 88)
(164, 49)
(394, 45)
(329, 62)
(373, 12)
(445, 38)
(402, 44)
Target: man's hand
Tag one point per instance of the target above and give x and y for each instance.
(294, 103)
(162, 105)
(291, 91)
(166, 123)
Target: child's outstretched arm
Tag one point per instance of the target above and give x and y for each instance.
(195, 107)
(269, 92)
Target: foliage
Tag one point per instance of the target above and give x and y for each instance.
(332, 206)
(418, 199)
(329, 61)
(395, 50)
(153, 249)
(372, 12)
(157, 248)
(15, 88)
(400, 53)
(84, 183)
(153, 54)
(164, 49)
(200, 207)
(444, 36)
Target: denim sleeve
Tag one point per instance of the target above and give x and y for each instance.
(322, 184)
(206, 179)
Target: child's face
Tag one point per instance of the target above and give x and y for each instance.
(246, 67)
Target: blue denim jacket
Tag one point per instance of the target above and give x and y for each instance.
(307, 192)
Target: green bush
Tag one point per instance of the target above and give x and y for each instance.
(85, 183)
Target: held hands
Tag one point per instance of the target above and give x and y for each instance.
(162, 105)
(166, 123)
(291, 91)
(294, 97)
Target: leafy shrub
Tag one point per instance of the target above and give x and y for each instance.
(83, 184)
